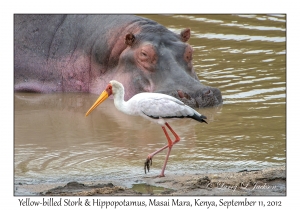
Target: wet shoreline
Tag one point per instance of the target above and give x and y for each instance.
(266, 182)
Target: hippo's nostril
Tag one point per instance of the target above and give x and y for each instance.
(207, 92)
(180, 93)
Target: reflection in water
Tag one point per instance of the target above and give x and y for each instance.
(148, 189)
(243, 55)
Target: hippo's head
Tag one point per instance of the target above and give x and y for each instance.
(82, 53)
(158, 60)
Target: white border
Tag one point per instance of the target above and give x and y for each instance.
(153, 7)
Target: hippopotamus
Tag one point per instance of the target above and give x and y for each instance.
(82, 53)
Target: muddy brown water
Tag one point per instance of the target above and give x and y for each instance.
(243, 55)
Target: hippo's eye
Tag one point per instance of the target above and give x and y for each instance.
(146, 57)
(143, 53)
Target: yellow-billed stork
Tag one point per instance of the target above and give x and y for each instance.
(152, 106)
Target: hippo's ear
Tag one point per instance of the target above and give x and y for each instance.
(185, 34)
(129, 39)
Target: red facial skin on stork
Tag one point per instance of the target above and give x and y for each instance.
(108, 89)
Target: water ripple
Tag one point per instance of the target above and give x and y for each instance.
(237, 37)
(261, 28)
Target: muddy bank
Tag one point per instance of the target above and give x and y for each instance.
(271, 181)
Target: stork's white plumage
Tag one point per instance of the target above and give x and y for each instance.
(152, 106)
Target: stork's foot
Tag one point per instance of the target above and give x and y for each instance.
(148, 163)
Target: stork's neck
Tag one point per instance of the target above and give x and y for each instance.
(119, 102)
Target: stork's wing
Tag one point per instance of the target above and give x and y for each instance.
(160, 105)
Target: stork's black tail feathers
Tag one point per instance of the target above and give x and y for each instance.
(195, 117)
(199, 118)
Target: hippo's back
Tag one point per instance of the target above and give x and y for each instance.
(45, 34)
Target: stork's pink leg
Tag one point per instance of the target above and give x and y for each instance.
(177, 138)
(169, 145)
